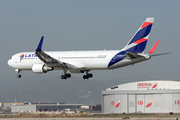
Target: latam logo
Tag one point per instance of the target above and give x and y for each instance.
(149, 104)
(146, 85)
(118, 104)
(27, 56)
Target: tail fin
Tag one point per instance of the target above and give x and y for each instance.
(137, 44)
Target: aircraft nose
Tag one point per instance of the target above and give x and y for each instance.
(9, 62)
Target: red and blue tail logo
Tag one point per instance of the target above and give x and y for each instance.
(138, 42)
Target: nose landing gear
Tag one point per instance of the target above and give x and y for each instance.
(18, 71)
(18, 76)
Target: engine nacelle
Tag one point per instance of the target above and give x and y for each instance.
(41, 68)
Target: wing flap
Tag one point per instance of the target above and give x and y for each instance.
(45, 57)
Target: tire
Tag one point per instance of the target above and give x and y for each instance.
(18, 76)
(90, 75)
(62, 76)
(68, 75)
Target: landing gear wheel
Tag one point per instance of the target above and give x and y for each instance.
(86, 76)
(62, 76)
(65, 76)
(18, 76)
(68, 75)
(90, 75)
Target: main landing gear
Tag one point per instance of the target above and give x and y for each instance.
(65, 76)
(18, 71)
(88, 75)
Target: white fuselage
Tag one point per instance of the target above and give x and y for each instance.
(86, 60)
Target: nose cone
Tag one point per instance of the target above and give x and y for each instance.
(9, 62)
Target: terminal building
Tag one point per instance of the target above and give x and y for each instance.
(51, 107)
(33, 107)
(142, 97)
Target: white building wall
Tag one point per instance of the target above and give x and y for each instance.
(112, 102)
(132, 104)
(167, 103)
(23, 109)
(147, 101)
(140, 104)
(176, 103)
(124, 102)
(144, 97)
(106, 104)
(157, 103)
(116, 99)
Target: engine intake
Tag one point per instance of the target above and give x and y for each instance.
(41, 68)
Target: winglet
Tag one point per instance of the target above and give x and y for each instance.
(153, 48)
(40, 44)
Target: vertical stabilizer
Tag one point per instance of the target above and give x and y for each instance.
(138, 42)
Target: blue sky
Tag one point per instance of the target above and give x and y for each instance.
(91, 25)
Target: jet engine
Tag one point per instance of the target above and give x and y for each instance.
(41, 68)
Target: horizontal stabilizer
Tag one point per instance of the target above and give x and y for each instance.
(159, 54)
(130, 55)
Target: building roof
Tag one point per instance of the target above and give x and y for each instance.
(147, 85)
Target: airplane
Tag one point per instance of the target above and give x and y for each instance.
(85, 61)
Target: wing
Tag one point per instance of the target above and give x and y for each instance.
(50, 61)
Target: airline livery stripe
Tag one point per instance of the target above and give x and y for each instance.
(142, 33)
(140, 41)
(145, 24)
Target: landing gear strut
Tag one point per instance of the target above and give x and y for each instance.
(88, 75)
(18, 71)
(66, 75)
